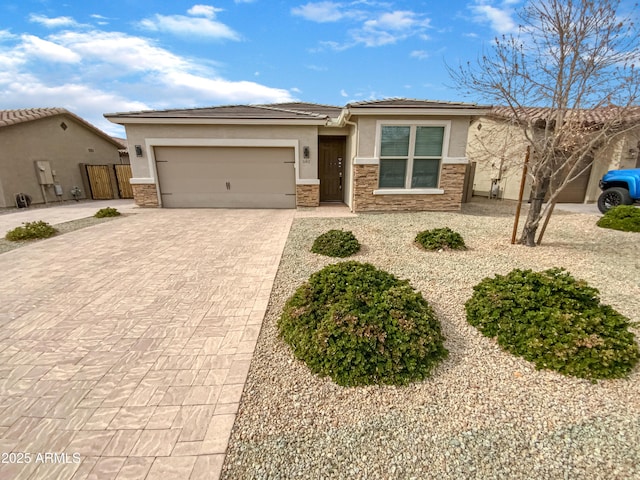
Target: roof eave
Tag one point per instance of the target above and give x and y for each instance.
(413, 111)
(123, 120)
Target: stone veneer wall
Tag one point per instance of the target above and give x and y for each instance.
(307, 195)
(145, 195)
(366, 181)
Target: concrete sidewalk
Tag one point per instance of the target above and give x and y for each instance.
(55, 213)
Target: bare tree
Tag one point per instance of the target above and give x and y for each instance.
(570, 59)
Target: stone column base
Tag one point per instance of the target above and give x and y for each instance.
(145, 195)
(307, 195)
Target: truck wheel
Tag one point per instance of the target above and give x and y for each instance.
(612, 197)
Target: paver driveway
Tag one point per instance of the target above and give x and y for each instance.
(128, 343)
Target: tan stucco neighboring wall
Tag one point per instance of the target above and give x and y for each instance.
(499, 151)
(22, 144)
(305, 135)
(496, 140)
(620, 153)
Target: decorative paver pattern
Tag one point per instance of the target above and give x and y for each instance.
(128, 343)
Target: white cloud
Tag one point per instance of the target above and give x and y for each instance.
(220, 90)
(204, 11)
(200, 23)
(419, 54)
(6, 35)
(376, 27)
(398, 20)
(133, 54)
(343, 93)
(321, 12)
(500, 17)
(317, 68)
(119, 72)
(56, 22)
(36, 47)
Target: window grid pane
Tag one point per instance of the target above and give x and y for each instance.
(392, 173)
(429, 141)
(425, 173)
(395, 141)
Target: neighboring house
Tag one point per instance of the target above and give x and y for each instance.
(394, 154)
(498, 148)
(42, 151)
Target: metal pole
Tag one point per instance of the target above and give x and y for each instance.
(524, 178)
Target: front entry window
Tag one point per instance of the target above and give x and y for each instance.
(410, 156)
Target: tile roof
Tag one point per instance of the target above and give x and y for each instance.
(412, 103)
(11, 117)
(288, 110)
(262, 112)
(14, 117)
(586, 117)
(325, 110)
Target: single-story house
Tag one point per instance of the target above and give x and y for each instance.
(42, 151)
(394, 154)
(497, 147)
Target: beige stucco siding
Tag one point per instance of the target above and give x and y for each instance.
(142, 134)
(44, 139)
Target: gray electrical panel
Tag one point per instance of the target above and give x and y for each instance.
(44, 173)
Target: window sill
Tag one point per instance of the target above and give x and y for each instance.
(408, 191)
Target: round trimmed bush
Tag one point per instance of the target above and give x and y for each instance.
(107, 212)
(31, 231)
(623, 217)
(360, 326)
(440, 238)
(554, 321)
(336, 243)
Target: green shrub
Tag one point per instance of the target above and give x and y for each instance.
(336, 243)
(360, 326)
(107, 212)
(31, 231)
(440, 238)
(554, 321)
(622, 217)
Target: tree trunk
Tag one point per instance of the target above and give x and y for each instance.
(538, 192)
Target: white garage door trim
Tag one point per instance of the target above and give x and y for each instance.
(150, 143)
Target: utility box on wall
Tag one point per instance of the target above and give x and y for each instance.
(43, 172)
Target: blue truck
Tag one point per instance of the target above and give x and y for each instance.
(619, 187)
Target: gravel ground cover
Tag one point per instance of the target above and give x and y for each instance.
(485, 413)
(66, 227)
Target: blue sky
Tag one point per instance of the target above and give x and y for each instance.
(123, 55)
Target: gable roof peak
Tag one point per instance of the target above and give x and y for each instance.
(14, 117)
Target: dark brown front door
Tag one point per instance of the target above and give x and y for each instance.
(331, 168)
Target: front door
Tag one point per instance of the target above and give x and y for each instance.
(331, 168)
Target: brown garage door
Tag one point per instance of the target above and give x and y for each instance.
(576, 190)
(226, 177)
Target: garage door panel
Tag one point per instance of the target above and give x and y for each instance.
(227, 177)
(227, 200)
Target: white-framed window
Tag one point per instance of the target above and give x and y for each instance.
(411, 154)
